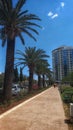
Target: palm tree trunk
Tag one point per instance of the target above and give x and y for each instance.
(39, 81)
(43, 80)
(30, 79)
(9, 67)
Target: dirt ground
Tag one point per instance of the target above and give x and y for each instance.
(44, 112)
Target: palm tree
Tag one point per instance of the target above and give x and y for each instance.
(38, 72)
(13, 22)
(44, 73)
(49, 75)
(41, 70)
(30, 57)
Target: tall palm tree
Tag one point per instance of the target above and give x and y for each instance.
(30, 57)
(13, 22)
(41, 70)
(44, 73)
(49, 76)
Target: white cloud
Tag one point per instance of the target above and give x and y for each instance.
(62, 4)
(58, 9)
(54, 16)
(50, 14)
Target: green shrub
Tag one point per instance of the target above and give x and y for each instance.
(64, 88)
(67, 95)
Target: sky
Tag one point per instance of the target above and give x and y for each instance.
(57, 27)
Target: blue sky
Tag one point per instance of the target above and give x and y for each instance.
(57, 27)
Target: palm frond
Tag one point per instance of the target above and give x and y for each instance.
(18, 64)
(19, 5)
(20, 59)
(20, 53)
(32, 30)
(9, 4)
(29, 17)
(23, 24)
(3, 15)
(22, 13)
(21, 38)
(28, 33)
(16, 22)
(25, 20)
(3, 4)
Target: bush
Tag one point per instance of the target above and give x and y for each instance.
(67, 94)
(63, 88)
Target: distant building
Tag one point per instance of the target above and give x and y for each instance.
(62, 59)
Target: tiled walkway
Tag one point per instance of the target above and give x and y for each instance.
(44, 112)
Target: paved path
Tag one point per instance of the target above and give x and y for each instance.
(44, 112)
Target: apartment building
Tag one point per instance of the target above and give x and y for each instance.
(62, 60)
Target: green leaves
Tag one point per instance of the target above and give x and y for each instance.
(19, 5)
(32, 57)
(21, 38)
(15, 22)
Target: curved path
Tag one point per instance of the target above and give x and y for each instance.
(43, 112)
